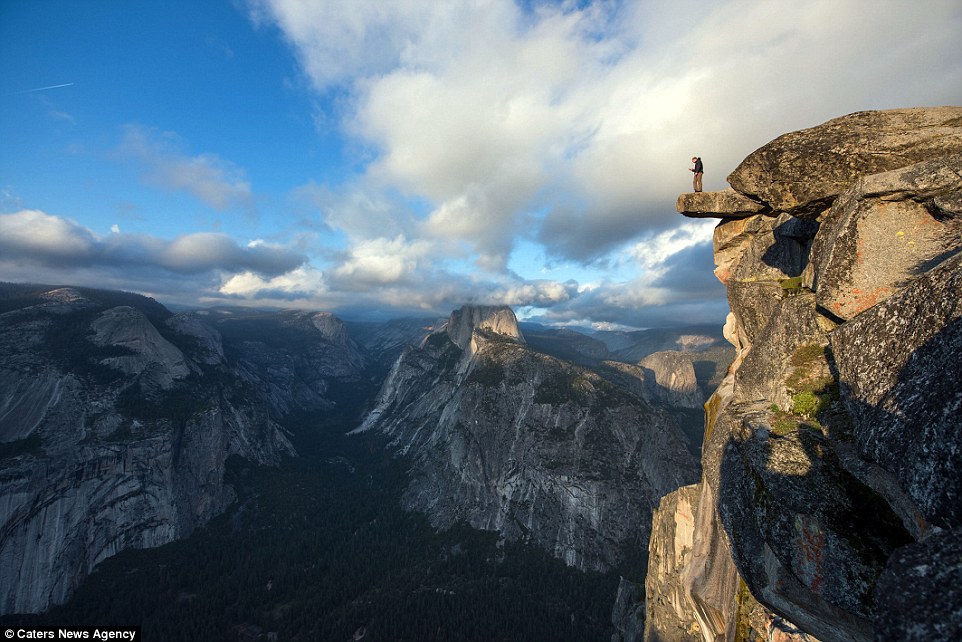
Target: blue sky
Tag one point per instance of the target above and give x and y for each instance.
(407, 157)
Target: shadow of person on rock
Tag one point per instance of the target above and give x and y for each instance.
(832, 550)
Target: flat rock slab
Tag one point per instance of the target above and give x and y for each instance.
(724, 204)
(885, 231)
(802, 172)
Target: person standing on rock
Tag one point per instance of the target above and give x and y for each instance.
(699, 170)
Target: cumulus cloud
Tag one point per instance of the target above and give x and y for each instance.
(434, 292)
(570, 125)
(211, 268)
(33, 235)
(675, 285)
(381, 261)
(39, 239)
(358, 209)
(640, 303)
(578, 119)
(304, 282)
(217, 182)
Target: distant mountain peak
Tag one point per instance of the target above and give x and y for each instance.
(499, 319)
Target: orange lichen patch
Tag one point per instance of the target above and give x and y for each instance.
(865, 300)
(859, 300)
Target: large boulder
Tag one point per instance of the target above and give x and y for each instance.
(832, 449)
(762, 248)
(808, 539)
(884, 231)
(900, 369)
(786, 356)
(802, 172)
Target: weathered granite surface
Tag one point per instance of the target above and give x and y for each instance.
(509, 439)
(920, 594)
(884, 231)
(804, 171)
(829, 504)
(900, 364)
(669, 553)
(117, 419)
(724, 204)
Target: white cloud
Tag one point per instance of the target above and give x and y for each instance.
(302, 282)
(336, 42)
(215, 181)
(481, 122)
(652, 253)
(381, 261)
(489, 112)
(33, 233)
(571, 125)
(359, 209)
(39, 239)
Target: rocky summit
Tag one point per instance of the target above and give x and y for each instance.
(509, 439)
(829, 504)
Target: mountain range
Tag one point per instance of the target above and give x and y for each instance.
(118, 419)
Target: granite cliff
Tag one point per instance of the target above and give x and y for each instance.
(117, 418)
(507, 438)
(829, 506)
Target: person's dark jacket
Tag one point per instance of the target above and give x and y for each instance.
(699, 169)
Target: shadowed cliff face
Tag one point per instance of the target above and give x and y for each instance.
(509, 439)
(834, 443)
(117, 417)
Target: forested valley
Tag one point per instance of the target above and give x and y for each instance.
(320, 549)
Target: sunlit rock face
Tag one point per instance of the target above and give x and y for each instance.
(509, 439)
(117, 418)
(669, 553)
(885, 230)
(832, 450)
(670, 379)
(803, 172)
(727, 204)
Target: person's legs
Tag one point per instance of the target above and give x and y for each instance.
(697, 182)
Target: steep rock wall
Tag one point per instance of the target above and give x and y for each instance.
(832, 451)
(117, 420)
(509, 439)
